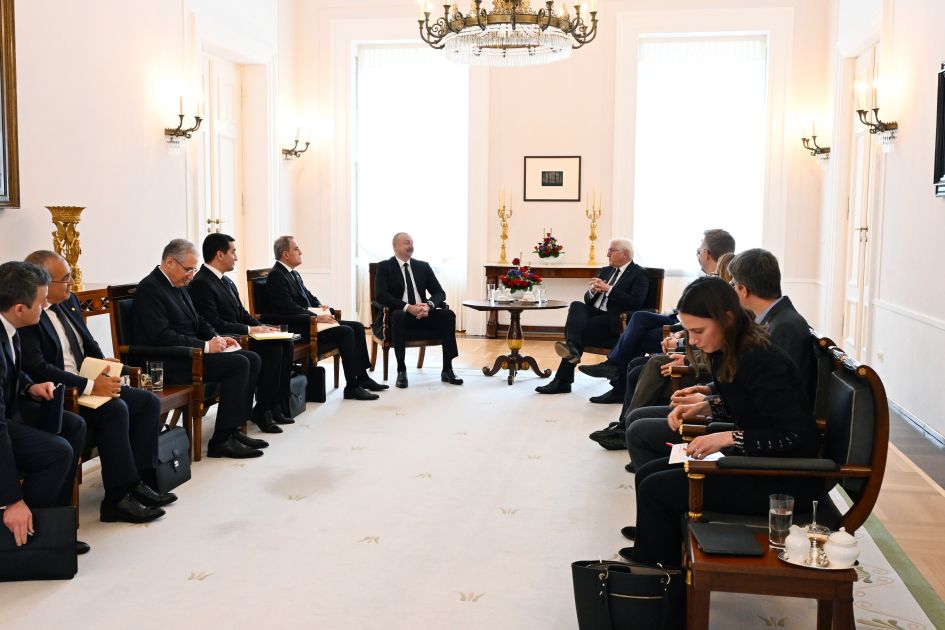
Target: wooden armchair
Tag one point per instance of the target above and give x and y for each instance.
(378, 310)
(653, 302)
(305, 351)
(853, 448)
(190, 401)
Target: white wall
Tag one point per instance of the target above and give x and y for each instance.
(94, 95)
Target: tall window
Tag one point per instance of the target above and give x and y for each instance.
(700, 145)
(411, 156)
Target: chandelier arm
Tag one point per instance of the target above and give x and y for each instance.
(514, 4)
(449, 23)
(480, 13)
(546, 15)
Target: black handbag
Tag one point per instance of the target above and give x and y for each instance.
(173, 467)
(628, 596)
(297, 386)
(49, 554)
(315, 390)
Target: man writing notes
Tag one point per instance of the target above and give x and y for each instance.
(218, 301)
(415, 298)
(126, 427)
(621, 287)
(287, 295)
(47, 460)
(164, 315)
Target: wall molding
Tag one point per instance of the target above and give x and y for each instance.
(814, 281)
(931, 433)
(914, 315)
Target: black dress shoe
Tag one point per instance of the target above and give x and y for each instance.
(82, 548)
(129, 510)
(371, 385)
(616, 442)
(630, 468)
(605, 431)
(600, 370)
(401, 380)
(448, 376)
(610, 397)
(248, 441)
(149, 497)
(279, 417)
(568, 351)
(233, 448)
(554, 387)
(359, 393)
(626, 553)
(264, 421)
(629, 532)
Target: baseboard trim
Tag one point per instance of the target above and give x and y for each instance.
(919, 424)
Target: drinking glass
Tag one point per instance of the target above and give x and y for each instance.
(156, 370)
(780, 514)
(540, 294)
(283, 328)
(490, 292)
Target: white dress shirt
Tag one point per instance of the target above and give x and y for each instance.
(413, 280)
(219, 275)
(599, 297)
(11, 330)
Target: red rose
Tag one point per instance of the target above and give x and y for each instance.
(515, 261)
(536, 279)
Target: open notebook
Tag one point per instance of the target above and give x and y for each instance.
(91, 368)
(318, 311)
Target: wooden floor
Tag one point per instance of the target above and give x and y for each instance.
(911, 504)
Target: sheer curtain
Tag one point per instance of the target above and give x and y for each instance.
(411, 156)
(700, 145)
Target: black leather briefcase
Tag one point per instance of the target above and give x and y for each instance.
(315, 391)
(297, 386)
(49, 553)
(173, 467)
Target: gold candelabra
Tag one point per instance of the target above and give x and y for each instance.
(66, 238)
(593, 213)
(505, 213)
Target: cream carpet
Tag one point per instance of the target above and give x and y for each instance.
(436, 507)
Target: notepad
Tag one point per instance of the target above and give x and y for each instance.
(726, 538)
(319, 311)
(269, 336)
(678, 455)
(91, 368)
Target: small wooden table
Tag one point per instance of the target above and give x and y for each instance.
(514, 361)
(767, 575)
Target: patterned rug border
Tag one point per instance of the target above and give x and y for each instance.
(923, 593)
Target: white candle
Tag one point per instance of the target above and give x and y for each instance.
(297, 133)
(181, 105)
(813, 128)
(423, 6)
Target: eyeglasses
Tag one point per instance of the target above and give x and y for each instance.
(66, 280)
(699, 251)
(189, 270)
(733, 283)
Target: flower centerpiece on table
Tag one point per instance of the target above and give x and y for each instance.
(519, 278)
(548, 247)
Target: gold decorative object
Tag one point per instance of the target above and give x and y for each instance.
(593, 213)
(66, 238)
(505, 213)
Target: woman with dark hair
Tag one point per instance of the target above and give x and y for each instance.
(760, 390)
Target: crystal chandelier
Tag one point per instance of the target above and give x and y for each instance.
(512, 34)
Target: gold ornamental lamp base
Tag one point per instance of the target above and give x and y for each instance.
(66, 238)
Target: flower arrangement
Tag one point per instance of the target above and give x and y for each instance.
(519, 277)
(548, 247)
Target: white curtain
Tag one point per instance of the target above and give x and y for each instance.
(700, 145)
(411, 156)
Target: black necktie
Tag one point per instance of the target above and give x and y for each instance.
(298, 281)
(9, 388)
(411, 294)
(231, 287)
(612, 282)
(74, 346)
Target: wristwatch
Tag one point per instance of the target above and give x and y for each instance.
(430, 304)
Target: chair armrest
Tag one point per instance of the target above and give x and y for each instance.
(71, 399)
(622, 321)
(695, 430)
(337, 314)
(777, 463)
(171, 352)
(679, 371)
(133, 374)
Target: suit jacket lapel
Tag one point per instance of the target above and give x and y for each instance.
(47, 326)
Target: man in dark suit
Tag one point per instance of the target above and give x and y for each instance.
(287, 295)
(217, 300)
(618, 288)
(164, 315)
(48, 461)
(409, 288)
(126, 428)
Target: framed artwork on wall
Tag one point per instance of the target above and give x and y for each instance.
(939, 177)
(552, 178)
(9, 157)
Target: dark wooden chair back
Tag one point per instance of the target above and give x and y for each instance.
(256, 290)
(654, 292)
(120, 301)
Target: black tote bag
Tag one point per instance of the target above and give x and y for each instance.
(628, 596)
(49, 554)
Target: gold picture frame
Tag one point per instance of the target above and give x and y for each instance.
(9, 154)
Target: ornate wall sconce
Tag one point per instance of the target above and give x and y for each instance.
(821, 153)
(173, 135)
(295, 151)
(885, 130)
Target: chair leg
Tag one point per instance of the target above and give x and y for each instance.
(337, 370)
(198, 437)
(75, 492)
(423, 353)
(373, 355)
(386, 353)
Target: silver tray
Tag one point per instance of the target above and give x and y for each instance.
(782, 556)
